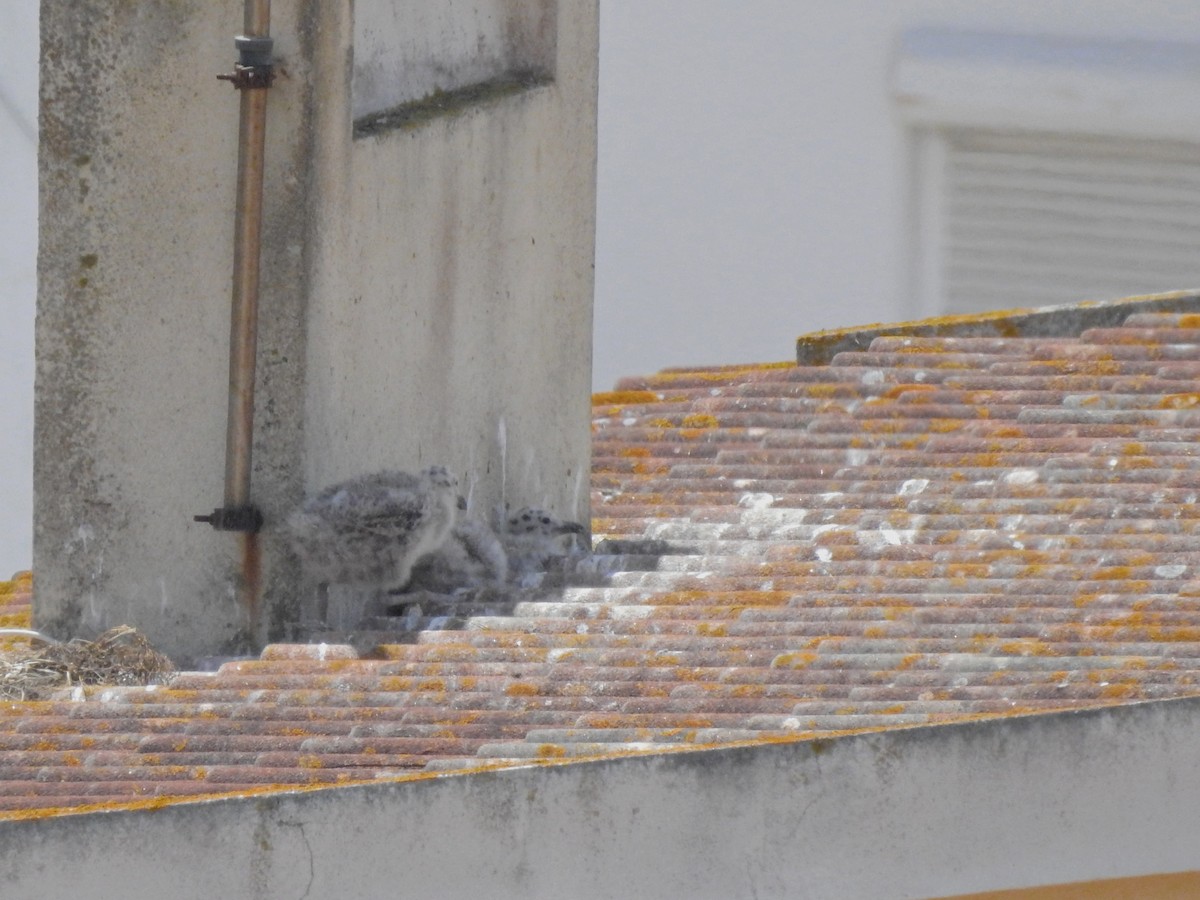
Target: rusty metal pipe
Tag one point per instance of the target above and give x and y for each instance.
(257, 18)
(256, 71)
(243, 332)
(247, 251)
(252, 77)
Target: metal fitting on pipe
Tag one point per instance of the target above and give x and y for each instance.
(255, 67)
(234, 518)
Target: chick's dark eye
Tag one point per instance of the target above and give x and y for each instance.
(545, 520)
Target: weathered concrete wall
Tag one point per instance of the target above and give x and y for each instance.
(452, 274)
(137, 169)
(407, 316)
(405, 51)
(908, 814)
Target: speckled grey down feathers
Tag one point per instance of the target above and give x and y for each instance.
(369, 531)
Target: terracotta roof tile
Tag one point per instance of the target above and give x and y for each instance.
(15, 597)
(928, 529)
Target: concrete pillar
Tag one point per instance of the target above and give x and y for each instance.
(426, 291)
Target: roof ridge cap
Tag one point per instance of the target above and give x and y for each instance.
(1069, 320)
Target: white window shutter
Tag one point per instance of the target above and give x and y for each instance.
(1034, 219)
(1048, 169)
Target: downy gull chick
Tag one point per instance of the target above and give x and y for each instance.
(533, 539)
(470, 559)
(370, 531)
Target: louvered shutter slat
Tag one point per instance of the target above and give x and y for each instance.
(1036, 219)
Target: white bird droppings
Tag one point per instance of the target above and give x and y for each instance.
(1022, 476)
(913, 486)
(856, 456)
(756, 501)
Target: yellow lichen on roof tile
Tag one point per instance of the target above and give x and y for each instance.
(1119, 692)
(800, 660)
(20, 583)
(1098, 366)
(624, 398)
(1180, 401)
(20, 619)
(521, 689)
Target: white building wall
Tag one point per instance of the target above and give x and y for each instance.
(18, 277)
(458, 257)
(753, 167)
(928, 812)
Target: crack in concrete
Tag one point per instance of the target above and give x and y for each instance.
(312, 870)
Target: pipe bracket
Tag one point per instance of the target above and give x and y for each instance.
(234, 518)
(255, 67)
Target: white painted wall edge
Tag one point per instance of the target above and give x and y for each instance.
(923, 812)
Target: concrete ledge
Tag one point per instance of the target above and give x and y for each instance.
(1105, 793)
(448, 103)
(820, 347)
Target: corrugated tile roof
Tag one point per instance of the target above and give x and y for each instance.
(929, 530)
